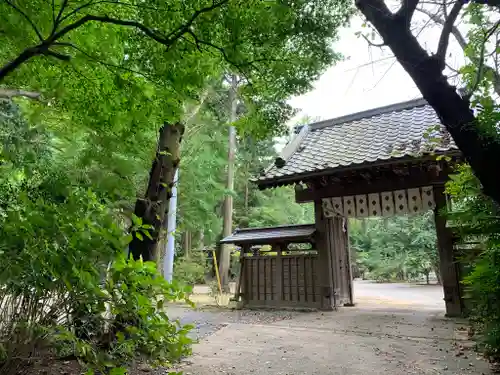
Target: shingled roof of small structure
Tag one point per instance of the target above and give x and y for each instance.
(269, 235)
(398, 131)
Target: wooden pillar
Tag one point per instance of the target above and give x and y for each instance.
(278, 276)
(325, 271)
(347, 251)
(450, 275)
(339, 247)
(241, 285)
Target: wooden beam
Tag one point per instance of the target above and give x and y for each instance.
(383, 183)
(450, 275)
(325, 272)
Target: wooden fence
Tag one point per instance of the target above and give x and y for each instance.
(280, 281)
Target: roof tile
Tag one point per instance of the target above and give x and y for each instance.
(379, 134)
(268, 235)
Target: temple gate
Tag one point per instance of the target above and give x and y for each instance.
(387, 161)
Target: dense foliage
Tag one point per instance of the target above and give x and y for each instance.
(67, 289)
(399, 248)
(477, 223)
(84, 88)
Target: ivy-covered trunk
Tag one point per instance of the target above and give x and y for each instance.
(152, 208)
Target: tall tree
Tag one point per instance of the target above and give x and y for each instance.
(480, 146)
(171, 48)
(227, 226)
(153, 207)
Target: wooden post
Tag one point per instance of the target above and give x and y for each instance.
(347, 250)
(333, 247)
(241, 278)
(339, 248)
(450, 275)
(325, 274)
(279, 272)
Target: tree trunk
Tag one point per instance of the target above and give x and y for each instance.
(201, 240)
(247, 192)
(152, 208)
(481, 151)
(427, 277)
(186, 243)
(438, 274)
(225, 254)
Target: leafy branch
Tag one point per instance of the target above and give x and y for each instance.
(44, 47)
(25, 16)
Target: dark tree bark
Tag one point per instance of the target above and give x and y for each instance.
(481, 151)
(152, 208)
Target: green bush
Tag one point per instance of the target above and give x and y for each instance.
(66, 288)
(477, 217)
(130, 322)
(191, 270)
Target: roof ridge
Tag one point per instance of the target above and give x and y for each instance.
(396, 107)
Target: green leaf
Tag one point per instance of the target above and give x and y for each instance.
(118, 371)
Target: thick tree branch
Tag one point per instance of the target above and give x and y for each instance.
(11, 93)
(407, 9)
(43, 48)
(462, 42)
(481, 151)
(24, 56)
(448, 25)
(376, 9)
(57, 21)
(58, 55)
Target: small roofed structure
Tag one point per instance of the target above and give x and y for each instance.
(381, 162)
(283, 276)
(271, 235)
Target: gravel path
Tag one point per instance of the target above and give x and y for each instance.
(385, 334)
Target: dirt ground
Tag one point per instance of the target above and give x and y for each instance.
(394, 329)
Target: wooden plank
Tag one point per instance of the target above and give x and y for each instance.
(415, 201)
(374, 204)
(400, 202)
(361, 206)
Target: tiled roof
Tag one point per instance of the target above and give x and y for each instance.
(270, 235)
(391, 132)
